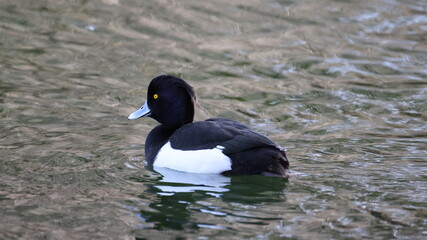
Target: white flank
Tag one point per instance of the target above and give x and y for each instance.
(193, 161)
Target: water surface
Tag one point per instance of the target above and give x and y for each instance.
(342, 85)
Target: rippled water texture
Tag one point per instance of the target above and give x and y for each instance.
(342, 85)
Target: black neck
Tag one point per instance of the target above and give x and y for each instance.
(155, 140)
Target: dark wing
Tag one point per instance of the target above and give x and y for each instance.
(232, 135)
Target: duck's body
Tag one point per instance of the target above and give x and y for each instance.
(215, 145)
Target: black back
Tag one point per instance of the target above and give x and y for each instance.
(232, 135)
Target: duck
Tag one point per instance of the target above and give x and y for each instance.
(213, 146)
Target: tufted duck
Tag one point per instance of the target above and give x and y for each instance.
(215, 145)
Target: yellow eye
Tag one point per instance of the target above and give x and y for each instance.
(155, 96)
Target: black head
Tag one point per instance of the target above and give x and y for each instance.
(170, 101)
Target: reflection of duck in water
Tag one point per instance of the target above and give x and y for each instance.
(186, 201)
(175, 181)
(213, 146)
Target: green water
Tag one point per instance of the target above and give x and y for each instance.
(342, 85)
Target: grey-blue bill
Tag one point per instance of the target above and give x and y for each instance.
(141, 112)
